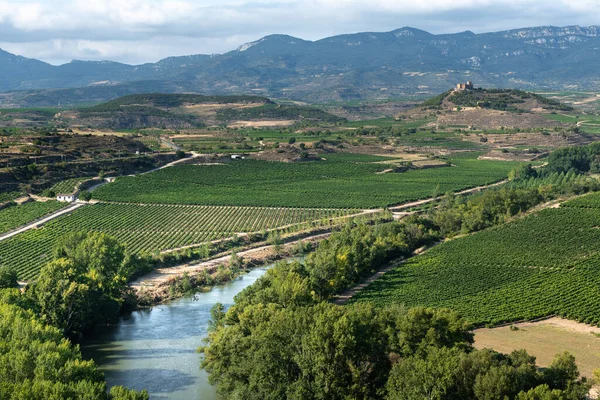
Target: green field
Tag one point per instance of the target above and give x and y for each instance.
(544, 264)
(67, 186)
(9, 196)
(152, 228)
(438, 140)
(16, 216)
(332, 183)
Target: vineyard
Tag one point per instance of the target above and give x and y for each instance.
(331, 183)
(16, 216)
(589, 201)
(151, 142)
(541, 265)
(9, 196)
(152, 228)
(64, 187)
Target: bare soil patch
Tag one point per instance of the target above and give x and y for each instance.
(492, 119)
(544, 339)
(260, 124)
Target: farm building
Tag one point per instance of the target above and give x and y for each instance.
(66, 198)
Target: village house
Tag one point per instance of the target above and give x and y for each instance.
(66, 198)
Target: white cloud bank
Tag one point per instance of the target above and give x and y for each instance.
(137, 31)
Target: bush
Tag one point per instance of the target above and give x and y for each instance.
(8, 278)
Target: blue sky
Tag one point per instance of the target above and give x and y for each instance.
(138, 31)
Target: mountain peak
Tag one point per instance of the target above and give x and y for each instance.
(272, 39)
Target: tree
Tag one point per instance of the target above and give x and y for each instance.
(562, 372)
(85, 285)
(292, 140)
(85, 195)
(415, 378)
(60, 299)
(541, 392)
(8, 278)
(37, 362)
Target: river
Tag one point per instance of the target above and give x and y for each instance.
(156, 349)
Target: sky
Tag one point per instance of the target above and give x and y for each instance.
(139, 31)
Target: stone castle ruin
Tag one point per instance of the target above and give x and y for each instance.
(464, 86)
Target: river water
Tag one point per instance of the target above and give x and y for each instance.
(156, 349)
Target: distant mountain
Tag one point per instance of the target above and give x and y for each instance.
(355, 66)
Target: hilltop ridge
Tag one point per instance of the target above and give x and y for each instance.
(366, 65)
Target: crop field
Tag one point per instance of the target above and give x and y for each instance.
(438, 140)
(152, 228)
(331, 183)
(15, 216)
(151, 142)
(589, 201)
(9, 196)
(212, 144)
(65, 187)
(544, 264)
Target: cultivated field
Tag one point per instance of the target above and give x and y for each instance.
(16, 216)
(341, 181)
(152, 228)
(544, 264)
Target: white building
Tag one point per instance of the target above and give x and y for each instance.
(66, 198)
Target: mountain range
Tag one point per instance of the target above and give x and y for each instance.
(368, 65)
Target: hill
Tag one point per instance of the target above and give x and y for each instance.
(346, 67)
(490, 109)
(180, 111)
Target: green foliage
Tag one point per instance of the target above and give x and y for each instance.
(503, 99)
(578, 159)
(173, 100)
(84, 286)
(8, 278)
(36, 362)
(338, 263)
(85, 195)
(437, 100)
(9, 196)
(323, 351)
(67, 186)
(326, 351)
(15, 216)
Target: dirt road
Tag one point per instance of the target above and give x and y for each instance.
(417, 203)
(42, 221)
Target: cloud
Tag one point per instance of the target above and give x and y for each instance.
(137, 31)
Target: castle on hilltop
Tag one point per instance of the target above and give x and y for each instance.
(464, 86)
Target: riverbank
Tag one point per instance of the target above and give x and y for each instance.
(167, 284)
